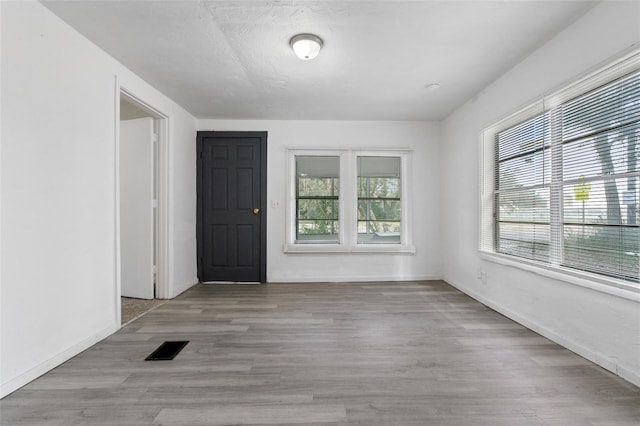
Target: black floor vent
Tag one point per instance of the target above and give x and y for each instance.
(167, 351)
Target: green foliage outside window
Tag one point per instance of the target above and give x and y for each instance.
(379, 207)
(318, 208)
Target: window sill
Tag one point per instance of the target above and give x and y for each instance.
(337, 248)
(594, 282)
(383, 248)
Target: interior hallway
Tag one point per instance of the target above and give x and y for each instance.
(410, 353)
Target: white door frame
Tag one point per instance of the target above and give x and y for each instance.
(163, 254)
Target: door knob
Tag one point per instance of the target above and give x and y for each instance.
(256, 211)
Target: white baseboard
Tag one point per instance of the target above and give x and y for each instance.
(600, 359)
(349, 279)
(21, 380)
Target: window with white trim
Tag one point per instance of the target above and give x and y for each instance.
(317, 199)
(379, 200)
(347, 200)
(522, 190)
(561, 178)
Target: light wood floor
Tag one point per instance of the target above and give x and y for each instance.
(363, 354)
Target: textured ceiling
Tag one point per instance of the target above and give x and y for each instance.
(231, 59)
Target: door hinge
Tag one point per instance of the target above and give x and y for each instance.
(200, 260)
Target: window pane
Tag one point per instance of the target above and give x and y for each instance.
(318, 209)
(613, 105)
(317, 198)
(522, 190)
(379, 167)
(318, 166)
(318, 230)
(613, 202)
(528, 170)
(370, 187)
(318, 187)
(524, 138)
(608, 250)
(524, 205)
(378, 232)
(524, 240)
(379, 210)
(379, 213)
(608, 153)
(600, 170)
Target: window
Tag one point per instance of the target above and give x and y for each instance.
(317, 195)
(522, 190)
(560, 179)
(600, 150)
(348, 201)
(379, 210)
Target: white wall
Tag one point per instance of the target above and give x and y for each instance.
(182, 202)
(58, 292)
(421, 137)
(602, 327)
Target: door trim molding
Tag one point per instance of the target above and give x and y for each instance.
(163, 227)
(201, 135)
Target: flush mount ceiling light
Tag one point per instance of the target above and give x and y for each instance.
(306, 46)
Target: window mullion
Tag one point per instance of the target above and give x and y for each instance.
(349, 199)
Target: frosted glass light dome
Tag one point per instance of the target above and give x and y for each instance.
(306, 46)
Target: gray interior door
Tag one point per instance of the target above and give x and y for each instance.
(232, 206)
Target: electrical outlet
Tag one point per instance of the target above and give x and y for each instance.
(484, 277)
(275, 204)
(479, 273)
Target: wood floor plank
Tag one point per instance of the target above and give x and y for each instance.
(62, 380)
(178, 329)
(408, 353)
(243, 414)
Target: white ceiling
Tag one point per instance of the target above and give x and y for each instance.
(231, 59)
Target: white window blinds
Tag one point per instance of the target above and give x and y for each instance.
(522, 190)
(600, 149)
(561, 182)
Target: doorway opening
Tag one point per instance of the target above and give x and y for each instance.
(141, 208)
